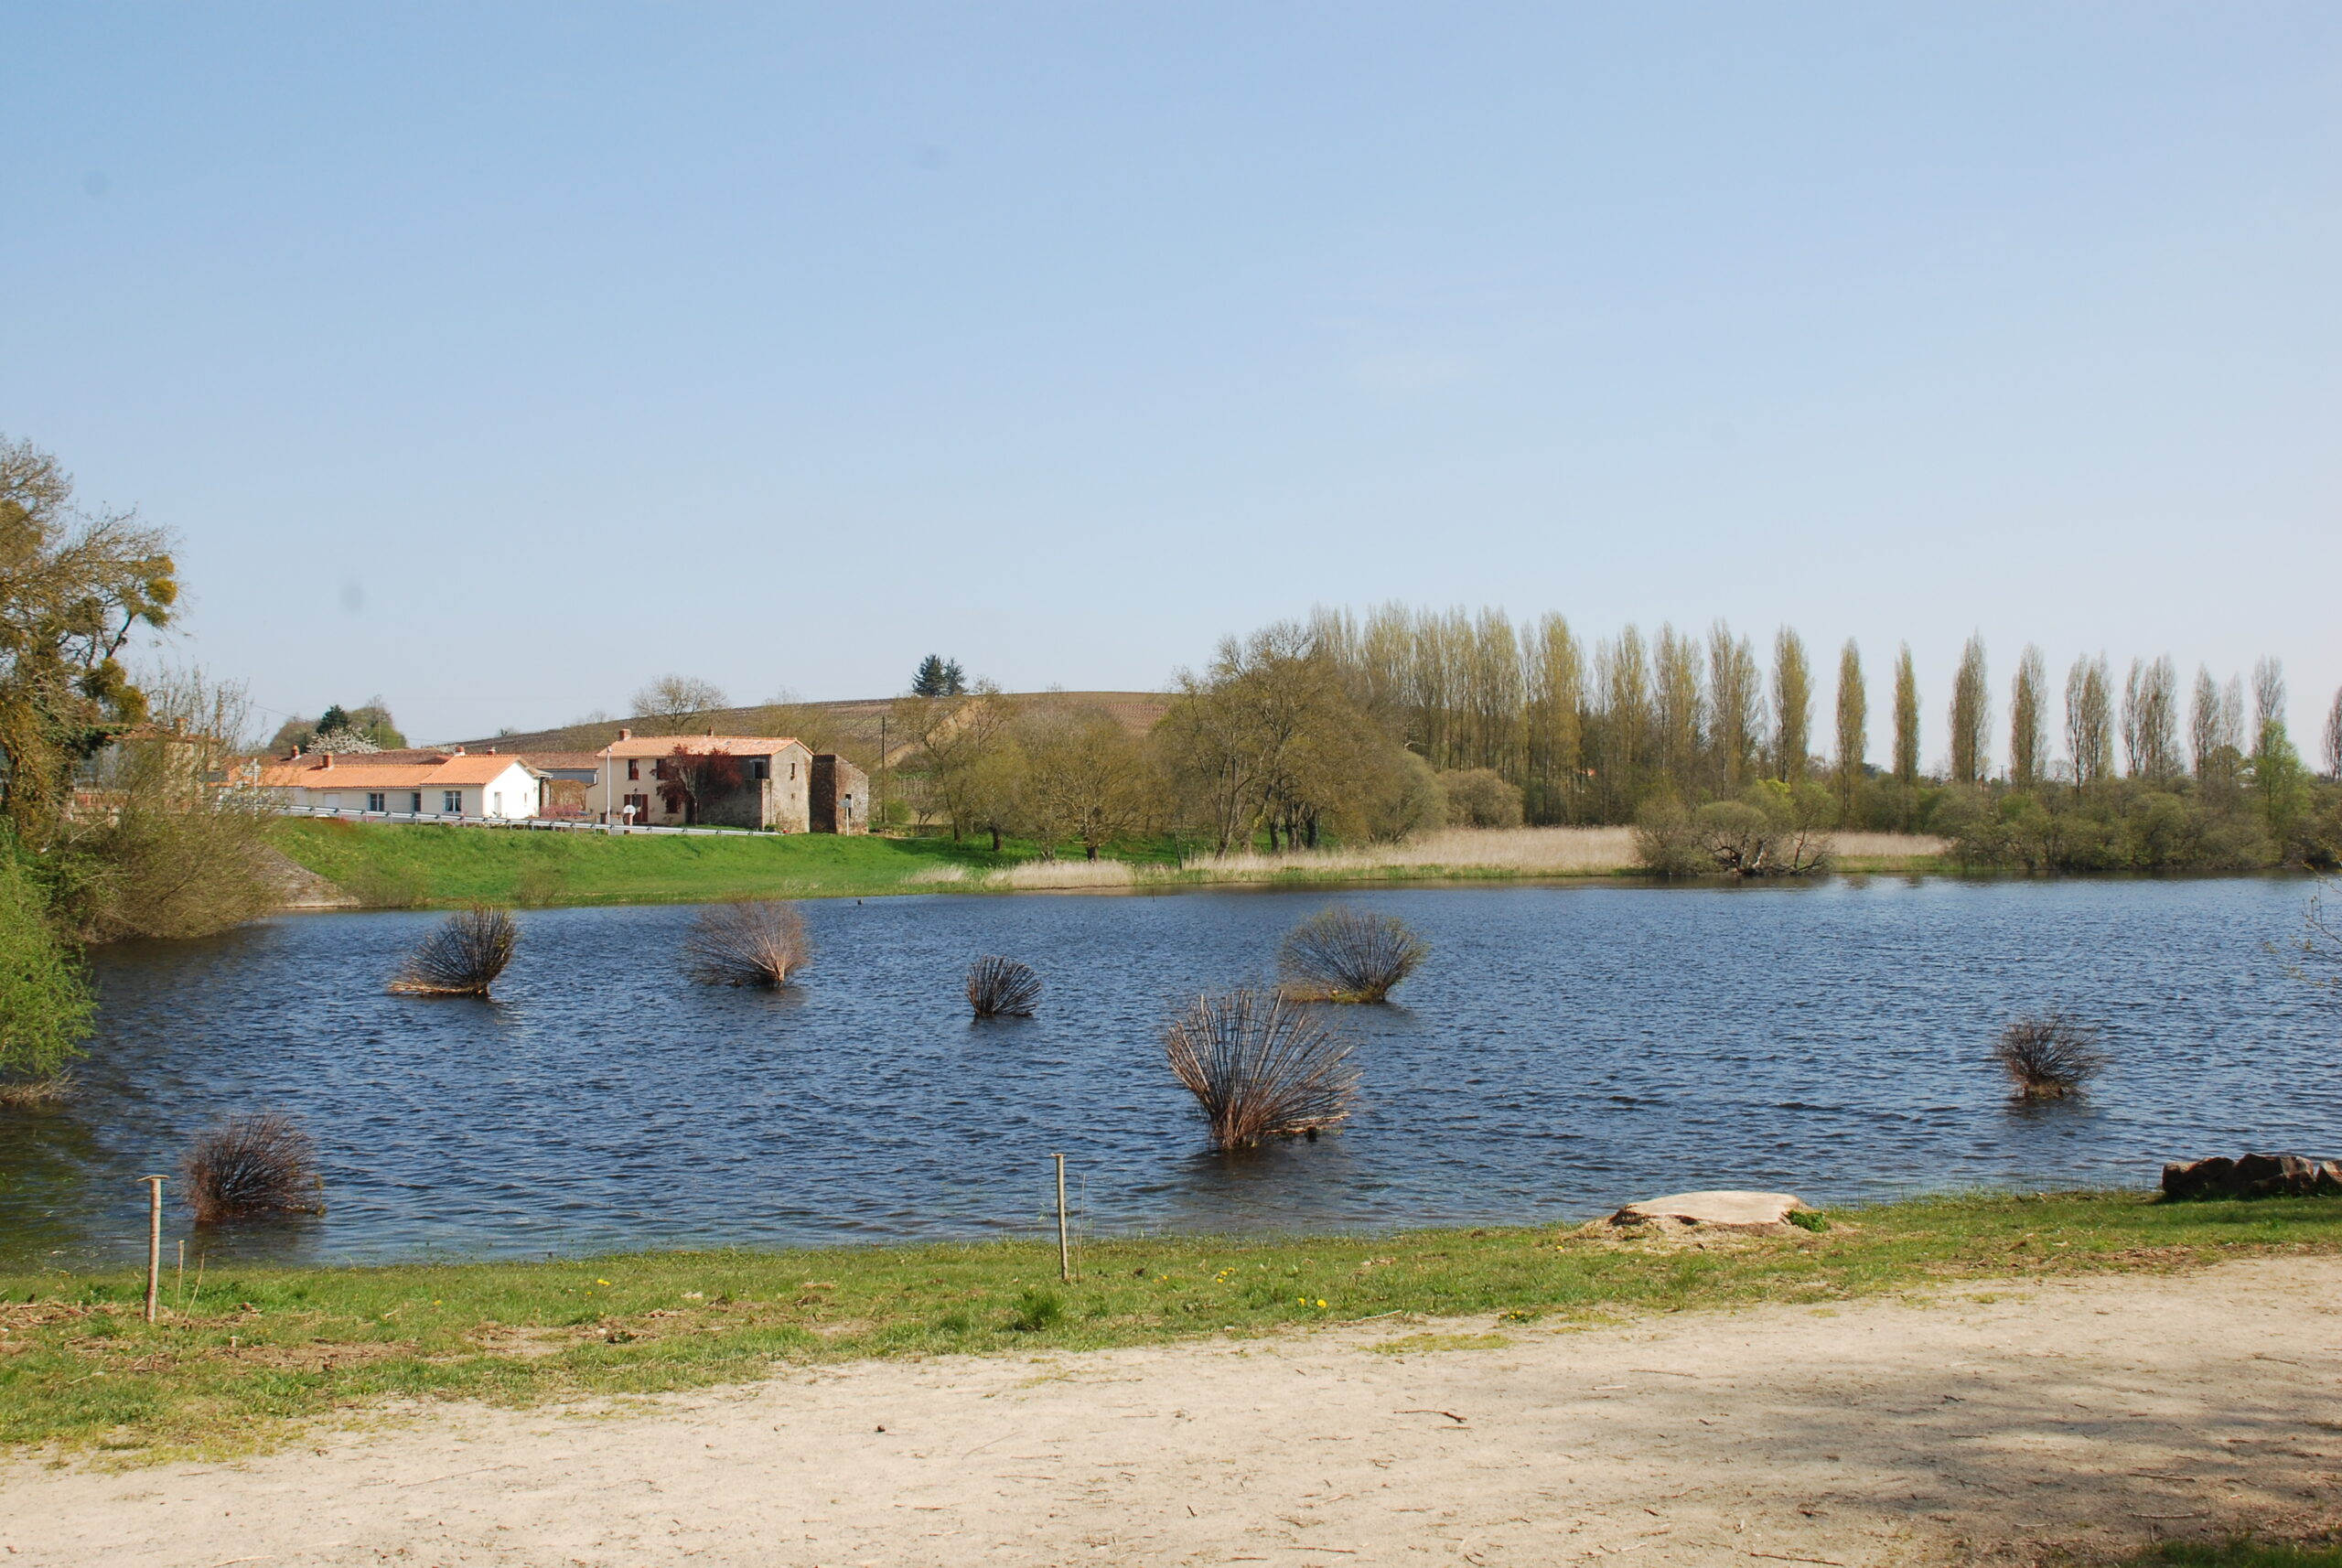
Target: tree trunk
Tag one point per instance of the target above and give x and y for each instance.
(995, 838)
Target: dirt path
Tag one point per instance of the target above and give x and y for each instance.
(1977, 1421)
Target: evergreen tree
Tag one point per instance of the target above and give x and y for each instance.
(933, 678)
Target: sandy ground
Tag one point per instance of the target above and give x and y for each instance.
(1988, 1422)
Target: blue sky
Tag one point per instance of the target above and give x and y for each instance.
(497, 359)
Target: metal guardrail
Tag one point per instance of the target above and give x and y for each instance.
(524, 825)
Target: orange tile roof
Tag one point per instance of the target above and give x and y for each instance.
(727, 744)
(370, 773)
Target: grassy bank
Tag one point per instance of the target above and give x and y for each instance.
(383, 866)
(263, 1350)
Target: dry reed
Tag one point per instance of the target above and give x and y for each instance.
(463, 957)
(2049, 1058)
(1343, 954)
(1259, 1067)
(1003, 988)
(749, 941)
(252, 1166)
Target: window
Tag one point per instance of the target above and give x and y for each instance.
(500, 803)
(452, 802)
(760, 768)
(793, 772)
(376, 801)
(414, 801)
(633, 768)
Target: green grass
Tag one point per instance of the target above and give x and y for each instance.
(2237, 1554)
(266, 1349)
(398, 865)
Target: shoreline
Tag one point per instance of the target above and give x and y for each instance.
(262, 1351)
(333, 865)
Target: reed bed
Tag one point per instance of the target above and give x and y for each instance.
(1520, 852)
(1345, 954)
(1003, 988)
(1039, 875)
(749, 941)
(2049, 1058)
(1261, 1066)
(463, 957)
(250, 1167)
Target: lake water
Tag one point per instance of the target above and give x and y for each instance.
(1564, 1049)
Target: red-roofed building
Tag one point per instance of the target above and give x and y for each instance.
(421, 783)
(705, 780)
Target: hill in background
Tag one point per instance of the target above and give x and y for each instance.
(853, 727)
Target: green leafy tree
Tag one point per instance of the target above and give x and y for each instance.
(75, 586)
(1853, 727)
(45, 1002)
(2028, 719)
(1906, 722)
(1971, 716)
(1792, 707)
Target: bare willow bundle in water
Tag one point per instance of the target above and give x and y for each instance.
(1003, 988)
(463, 957)
(2051, 1058)
(250, 1165)
(752, 941)
(1342, 954)
(1261, 1066)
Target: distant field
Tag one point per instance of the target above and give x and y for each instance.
(391, 866)
(856, 719)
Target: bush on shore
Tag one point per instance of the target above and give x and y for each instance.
(45, 1002)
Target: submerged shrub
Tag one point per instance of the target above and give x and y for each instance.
(1003, 988)
(1259, 1067)
(2049, 1058)
(45, 1002)
(252, 1166)
(1344, 954)
(751, 941)
(463, 957)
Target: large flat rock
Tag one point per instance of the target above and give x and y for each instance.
(1753, 1213)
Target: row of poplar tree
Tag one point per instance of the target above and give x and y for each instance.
(1589, 731)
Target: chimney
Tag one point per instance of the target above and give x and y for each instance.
(491, 751)
(329, 761)
(457, 752)
(625, 734)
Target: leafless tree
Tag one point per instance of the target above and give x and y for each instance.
(252, 1166)
(2151, 719)
(749, 941)
(676, 704)
(463, 957)
(2049, 1058)
(2268, 703)
(2089, 741)
(1344, 954)
(1003, 988)
(2334, 739)
(1261, 1066)
(1737, 706)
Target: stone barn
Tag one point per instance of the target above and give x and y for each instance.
(840, 796)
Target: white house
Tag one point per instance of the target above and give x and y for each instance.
(427, 783)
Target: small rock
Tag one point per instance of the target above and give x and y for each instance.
(1748, 1213)
(2254, 1175)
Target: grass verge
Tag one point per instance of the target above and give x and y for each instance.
(388, 865)
(265, 1350)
